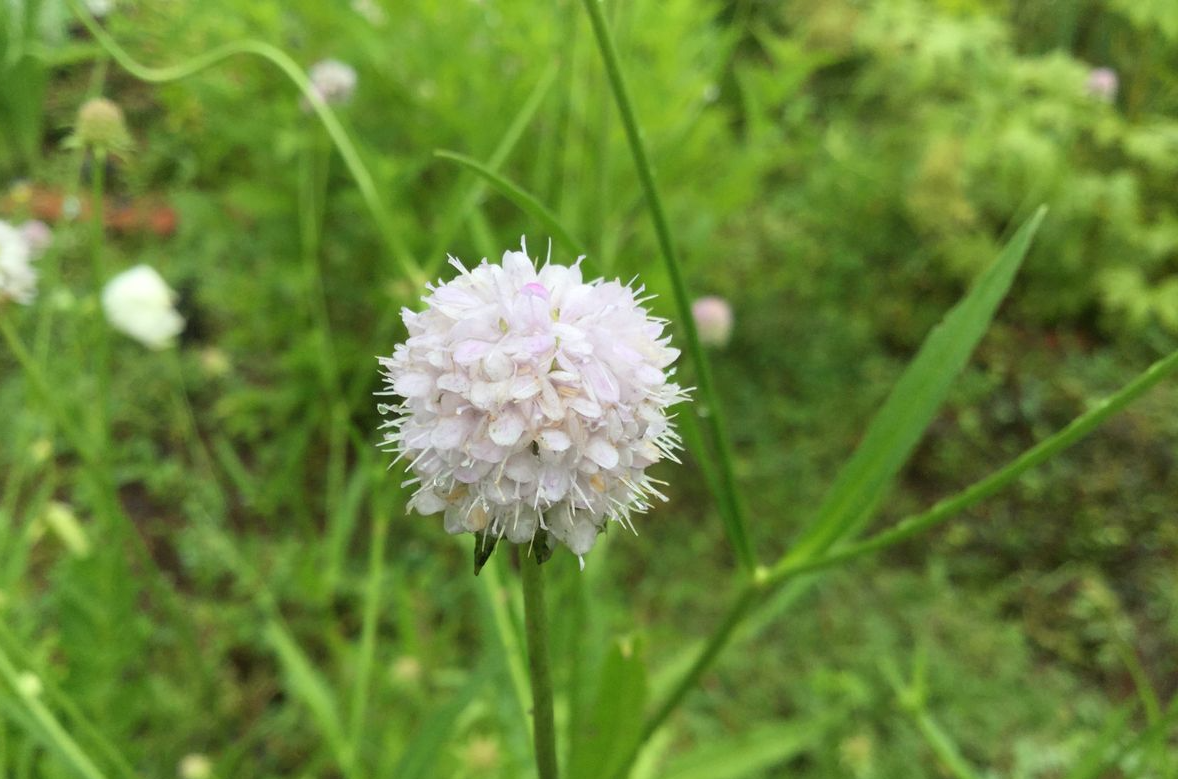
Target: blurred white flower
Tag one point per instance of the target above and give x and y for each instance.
(18, 280)
(195, 766)
(533, 400)
(29, 684)
(37, 235)
(100, 8)
(140, 304)
(333, 81)
(1103, 84)
(713, 320)
(370, 10)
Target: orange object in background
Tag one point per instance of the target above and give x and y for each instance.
(140, 215)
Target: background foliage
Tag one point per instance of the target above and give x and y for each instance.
(838, 170)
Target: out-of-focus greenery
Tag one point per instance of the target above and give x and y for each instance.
(837, 170)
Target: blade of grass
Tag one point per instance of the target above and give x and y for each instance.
(750, 753)
(72, 712)
(45, 727)
(381, 515)
(708, 406)
(944, 510)
(525, 200)
(912, 404)
(421, 755)
(310, 687)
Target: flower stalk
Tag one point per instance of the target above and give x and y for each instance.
(708, 406)
(536, 619)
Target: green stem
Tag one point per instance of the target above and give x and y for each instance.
(312, 195)
(536, 620)
(395, 243)
(708, 408)
(99, 269)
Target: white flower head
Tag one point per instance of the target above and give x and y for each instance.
(18, 280)
(713, 320)
(139, 303)
(333, 81)
(533, 400)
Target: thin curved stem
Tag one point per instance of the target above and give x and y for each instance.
(536, 619)
(397, 246)
(708, 407)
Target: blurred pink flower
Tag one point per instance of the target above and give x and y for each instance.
(37, 235)
(713, 320)
(1103, 84)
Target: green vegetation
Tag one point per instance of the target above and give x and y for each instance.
(207, 570)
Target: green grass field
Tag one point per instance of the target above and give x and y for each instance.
(207, 565)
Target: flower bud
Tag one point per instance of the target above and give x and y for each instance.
(101, 126)
(195, 766)
(1103, 84)
(713, 320)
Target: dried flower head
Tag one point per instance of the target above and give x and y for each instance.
(533, 400)
(18, 280)
(713, 320)
(333, 81)
(139, 303)
(101, 126)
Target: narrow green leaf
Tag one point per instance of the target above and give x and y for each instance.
(435, 734)
(601, 747)
(913, 403)
(748, 753)
(29, 712)
(309, 686)
(525, 200)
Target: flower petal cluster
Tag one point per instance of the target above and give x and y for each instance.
(18, 279)
(139, 303)
(333, 81)
(532, 400)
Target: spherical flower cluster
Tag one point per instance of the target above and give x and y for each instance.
(1103, 84)
(139, 303)
(101, 126)
(18, 280)
(333, 81)
(713, 320)
(532, 401)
